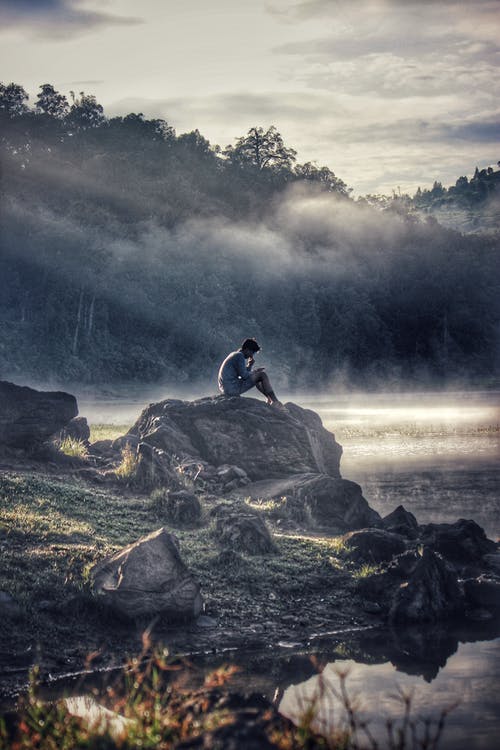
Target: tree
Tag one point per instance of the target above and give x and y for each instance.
(85, 111)
(263, 150)
(13, 99)
(51, 102)
(322, 176)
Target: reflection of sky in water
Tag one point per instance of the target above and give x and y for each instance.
(471, 676)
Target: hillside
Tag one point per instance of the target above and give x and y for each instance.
(130, 253)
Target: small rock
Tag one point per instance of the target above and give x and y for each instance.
(402, 522)
(373, 608)
(373, 545)
(246, 533)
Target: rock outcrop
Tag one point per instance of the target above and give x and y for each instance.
(317, 500)
(243, 432)
(147, 578)
(29, 418)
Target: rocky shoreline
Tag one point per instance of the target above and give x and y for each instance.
(216, 524)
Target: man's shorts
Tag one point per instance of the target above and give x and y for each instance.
(236, 389)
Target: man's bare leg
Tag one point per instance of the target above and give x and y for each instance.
(263, 384)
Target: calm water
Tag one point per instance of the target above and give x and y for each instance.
(438, 455)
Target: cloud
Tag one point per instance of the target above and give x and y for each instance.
(57, 19)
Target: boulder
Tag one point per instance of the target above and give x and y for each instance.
(76, 429)
(182, 508)
(431, 592)
(147, 578)
(401, 521)
(29, 417)
(319, 500)
(373, 545)
(462, 542)
(243, 532)
(482, 592)
(241, 432)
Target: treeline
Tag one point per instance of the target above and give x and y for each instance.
(129, 252)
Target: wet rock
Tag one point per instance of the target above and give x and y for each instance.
(317, 500)
(244, 532)
(483, 592)
(373, 545)
(76, 429)
(431, 592)
(182, 508)
(461, 542)
(402, 522)
(242, 432)
(29, 417)
(146, 578)
(9, 608)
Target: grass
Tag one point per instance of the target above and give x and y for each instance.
(73, 447)
(366, 570)
(125, 471)
(107, 431)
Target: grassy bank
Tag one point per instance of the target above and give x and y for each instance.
(53, 529)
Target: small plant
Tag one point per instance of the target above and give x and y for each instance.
(367, 569)
(73, 447)
(126, 470)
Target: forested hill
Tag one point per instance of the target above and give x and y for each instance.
(131, 253)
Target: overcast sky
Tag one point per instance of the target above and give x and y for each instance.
(386, 93)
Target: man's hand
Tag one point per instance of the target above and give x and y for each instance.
(251, 361)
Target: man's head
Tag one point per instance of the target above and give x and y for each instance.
(249, 347)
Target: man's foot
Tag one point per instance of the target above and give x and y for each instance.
(278, 405)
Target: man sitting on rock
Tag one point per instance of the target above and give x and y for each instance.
(236, 375)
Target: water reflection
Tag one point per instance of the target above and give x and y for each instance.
(431, 665)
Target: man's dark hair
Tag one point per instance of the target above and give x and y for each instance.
(250, 344)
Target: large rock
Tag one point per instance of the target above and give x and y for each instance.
(29, 417)
(431, 592)
(318, 500)
(153, 469)
(461, 542)
(146, 578)
(243, 432)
